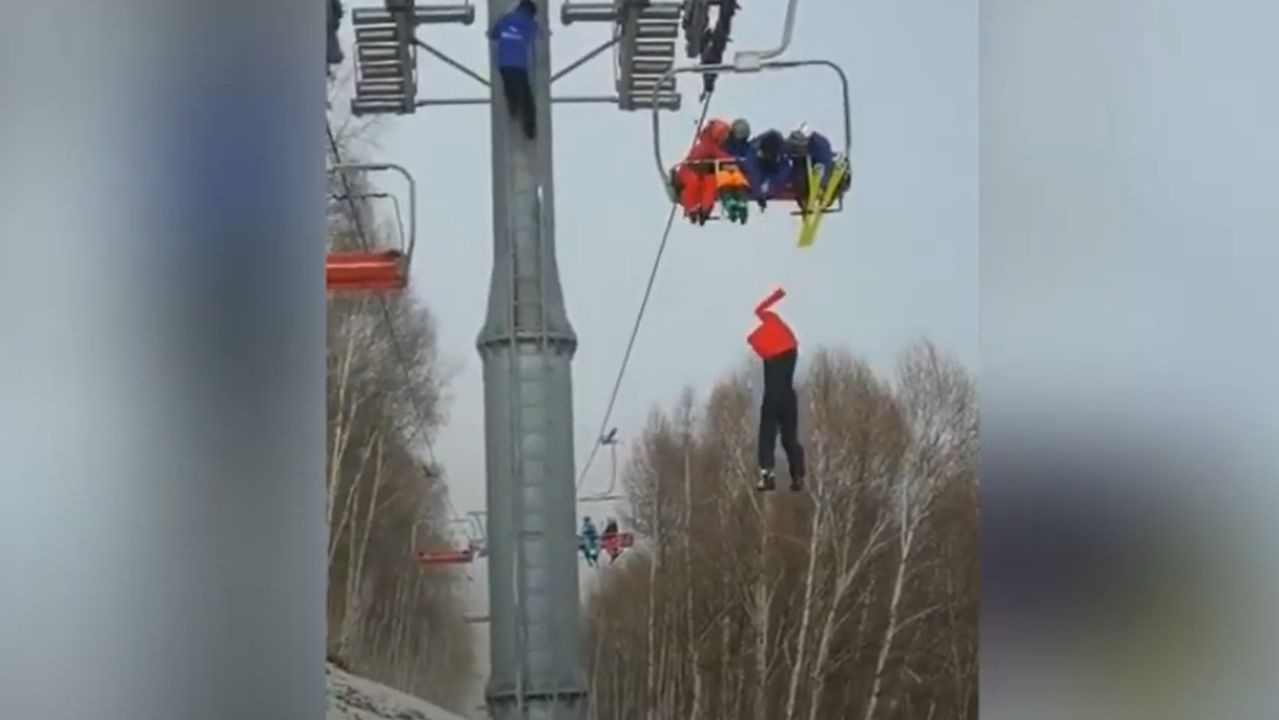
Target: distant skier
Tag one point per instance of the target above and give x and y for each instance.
(611, 541)
(514, 34)
(776, 345)
(588, 541)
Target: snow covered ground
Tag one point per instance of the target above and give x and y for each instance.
(354, 698)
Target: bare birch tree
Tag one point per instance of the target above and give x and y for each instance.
(856, 599)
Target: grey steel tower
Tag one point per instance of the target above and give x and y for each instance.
(526, 343)
(527, 347)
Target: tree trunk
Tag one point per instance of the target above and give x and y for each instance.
(806, 612)
(906, 536)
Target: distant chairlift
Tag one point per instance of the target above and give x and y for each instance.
(463, 542)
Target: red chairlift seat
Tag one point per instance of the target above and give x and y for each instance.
(364, 271)
(785, 194)
(446, 557)
(380, 270)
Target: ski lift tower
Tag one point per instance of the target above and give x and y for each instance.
(526, 342)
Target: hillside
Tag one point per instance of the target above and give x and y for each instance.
(354, 698)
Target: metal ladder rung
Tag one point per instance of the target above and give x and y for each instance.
(646, 66)
(379, 72)
(656, 30)
(381, 89)
(375, 34)
(366, 53)
(649, 84)
(662, 11)
(383, 64)
(375, 106)
(655, 48)
(664, 102)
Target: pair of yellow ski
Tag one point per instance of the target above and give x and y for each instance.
(819, 199)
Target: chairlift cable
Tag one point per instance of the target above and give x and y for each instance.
(415, 400)
(639, 319)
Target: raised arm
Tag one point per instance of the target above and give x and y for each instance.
(768, 302)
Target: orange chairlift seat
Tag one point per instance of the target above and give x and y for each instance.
(470, 539)
(348, 271)
(378, 270)
(785, 194)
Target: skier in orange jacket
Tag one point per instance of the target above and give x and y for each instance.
(695, 177)
(775, 344)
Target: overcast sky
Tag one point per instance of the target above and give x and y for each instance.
(899, 264)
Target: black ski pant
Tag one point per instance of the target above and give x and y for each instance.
(779, 415)
(519, 98)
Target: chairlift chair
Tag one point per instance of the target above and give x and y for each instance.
(373, 270)
(749, 64)
(472, 546)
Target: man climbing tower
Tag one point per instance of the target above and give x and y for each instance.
(775, 344)
(514, 33)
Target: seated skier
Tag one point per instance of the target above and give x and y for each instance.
(611, 541)
(733, 180)
(768, 168)
(588, 541)
(775, 344)
(811, 159)
(694, 178)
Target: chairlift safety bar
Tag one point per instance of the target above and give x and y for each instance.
(736, 67)
(374, 167)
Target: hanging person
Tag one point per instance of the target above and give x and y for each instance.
(514, 33)
(774, 342)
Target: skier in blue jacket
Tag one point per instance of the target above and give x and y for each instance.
(769, 168)
(807, 148)
(513, 33)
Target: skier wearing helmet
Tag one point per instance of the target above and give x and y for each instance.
(807, 149)
(733, 180)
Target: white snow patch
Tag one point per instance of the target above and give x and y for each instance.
(355, 698)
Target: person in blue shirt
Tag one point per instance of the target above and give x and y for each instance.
(807, 149)
(513, 34)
